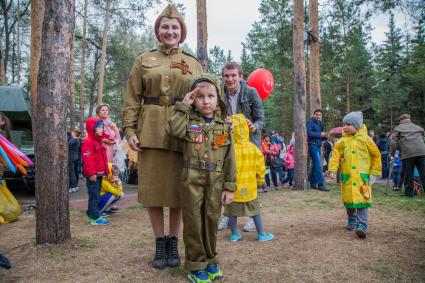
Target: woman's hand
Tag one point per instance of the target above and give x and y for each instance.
(189, 98)
(227, 197)
(134, 144)
(93, 178)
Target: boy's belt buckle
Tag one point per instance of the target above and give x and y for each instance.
(202, 164)
(165, 100)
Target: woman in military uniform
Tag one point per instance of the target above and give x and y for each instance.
(158, 79)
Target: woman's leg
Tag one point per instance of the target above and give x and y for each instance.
(156, 216)
(176, 221)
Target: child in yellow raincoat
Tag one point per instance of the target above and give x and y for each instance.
(111, 191)
(360, 160)
(250, 171)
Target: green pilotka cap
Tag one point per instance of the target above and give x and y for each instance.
(210, 78)
(171, 12)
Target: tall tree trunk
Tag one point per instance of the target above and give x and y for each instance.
(51, 187)
(315, 97)
(299, 98)
(2, 74)
(6, 29)
(92, 90)
(83, 67)
(72, 115)
(37, 16)
(202, 49)
(103, 57)
(347, 95)
(19, 43)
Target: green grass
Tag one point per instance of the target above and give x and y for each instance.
(177, 271)
(136, 206)
(89, 243)
(59, 256)
(384, 271)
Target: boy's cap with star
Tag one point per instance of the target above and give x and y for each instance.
(354, 118)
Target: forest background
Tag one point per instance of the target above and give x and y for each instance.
(381, 80)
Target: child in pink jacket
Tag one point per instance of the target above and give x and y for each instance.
(289, 160)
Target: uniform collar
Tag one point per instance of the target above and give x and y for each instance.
(173, 51)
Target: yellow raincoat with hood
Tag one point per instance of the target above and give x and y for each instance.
(360, 158)
(250, 168)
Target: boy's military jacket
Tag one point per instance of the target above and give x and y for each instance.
(359, 158)
(206, 147)
(156, 82)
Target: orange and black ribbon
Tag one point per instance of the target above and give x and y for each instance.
(182, 66)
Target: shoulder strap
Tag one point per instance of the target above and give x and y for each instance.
(190, 55)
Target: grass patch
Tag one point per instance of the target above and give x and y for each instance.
(136, 206)
(59, 256)
(384, 271)
(89, 243)
(177, 271)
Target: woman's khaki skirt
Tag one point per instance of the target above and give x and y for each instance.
(159, 177)
(240, 209)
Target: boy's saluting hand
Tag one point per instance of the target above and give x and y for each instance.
(189, 98)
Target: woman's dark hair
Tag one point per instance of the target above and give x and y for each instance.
(7, 127)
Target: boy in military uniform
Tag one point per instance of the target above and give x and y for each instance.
(208, 176)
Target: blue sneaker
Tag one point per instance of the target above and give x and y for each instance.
(361, 231)
(351, 224)
(200, 276)
(214, 272)
(99, 221)
(235, 237)
(106, 213)
(265, 237)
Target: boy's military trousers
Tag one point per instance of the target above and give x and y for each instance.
(200, 199)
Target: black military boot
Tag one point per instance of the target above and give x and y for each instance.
(160, 260)
(173, 259)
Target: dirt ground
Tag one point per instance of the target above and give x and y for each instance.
(311, 245)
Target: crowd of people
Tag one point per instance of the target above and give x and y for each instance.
(201, 150)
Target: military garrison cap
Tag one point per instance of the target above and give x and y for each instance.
(171, 12)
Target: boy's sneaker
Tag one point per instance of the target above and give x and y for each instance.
(265, 237)
(235, 237)
(99, 221)
(361, 231)
(249, 226)
(114, 209)
(200, 276)
(214, 272)
(224, 223)
(351, 224)
(106, 213)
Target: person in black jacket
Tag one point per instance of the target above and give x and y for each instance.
(74, 147)
(384, 145)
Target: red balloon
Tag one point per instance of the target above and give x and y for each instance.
(262, 80)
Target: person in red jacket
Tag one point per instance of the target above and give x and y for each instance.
(95, 166)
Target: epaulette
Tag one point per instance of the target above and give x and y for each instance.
(188, 54)
(144, 51)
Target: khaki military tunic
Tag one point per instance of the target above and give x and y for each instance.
(156, 81)
(209, 168)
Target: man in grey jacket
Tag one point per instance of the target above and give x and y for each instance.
(241, 98)
(409, 138)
